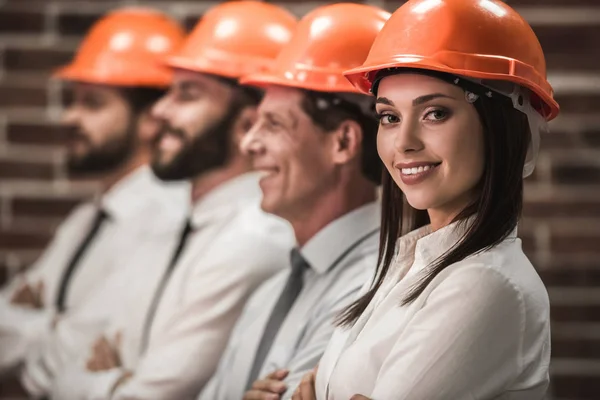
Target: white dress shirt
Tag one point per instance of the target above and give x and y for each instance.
(233, 248)
(127, 205)
(342, 257)
(480, 330)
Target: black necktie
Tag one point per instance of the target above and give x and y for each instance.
(63, 286)
(280, 311)
(185, 233)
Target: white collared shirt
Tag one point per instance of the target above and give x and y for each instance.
(234, 247)
(480, 330)
(127, 203)
(342, 257)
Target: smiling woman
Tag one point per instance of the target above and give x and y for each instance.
(456, 310)
(475, 153)
(431, 142)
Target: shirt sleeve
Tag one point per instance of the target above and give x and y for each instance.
(76, 383)
(21, 327)
(69, 343)
(464, 343)
(183, 355)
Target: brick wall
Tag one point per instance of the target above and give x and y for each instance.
(561, 226)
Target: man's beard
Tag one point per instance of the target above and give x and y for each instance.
(101, 158)
(208, 150)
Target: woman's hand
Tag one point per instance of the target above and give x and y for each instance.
(306, 389)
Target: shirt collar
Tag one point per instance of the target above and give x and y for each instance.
(428, 246)
(126, 196)
(323, 249)
(434, 244)
(241, 190)
(419, 248)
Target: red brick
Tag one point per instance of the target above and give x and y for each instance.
(576, 174)
(42, 207)
(569, 47)
(21, 22)
(561, 140)
(33, 4)
(567, 276)
(579, 62)
(528, 242)
(552, 208)
(579, 103)
(591, 137)
(534, 177)
(576, 387)
(66, 95)
(22, 240)
(15, 96)
(12, 170)
(575, 313)
(579, 243)
(75, 24)
(3, 278)
(35, 59)
(569, 39)
(38, 134)
(583, 349)
(40, 224)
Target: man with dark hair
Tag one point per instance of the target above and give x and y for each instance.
(110, 133)
(315, 144)
(167, 340)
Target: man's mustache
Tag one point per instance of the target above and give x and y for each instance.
(167, 129)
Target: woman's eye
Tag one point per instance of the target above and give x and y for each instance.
(386, 119)
(437, 115)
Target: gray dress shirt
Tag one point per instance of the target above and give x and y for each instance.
(342, 258)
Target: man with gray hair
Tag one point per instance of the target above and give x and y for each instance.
(315, 146)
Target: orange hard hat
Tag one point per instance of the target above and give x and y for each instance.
(125, 48)
(328, 41)
(480, 39)
(236, 38)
